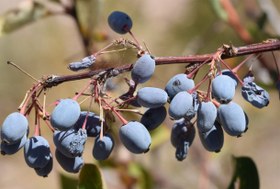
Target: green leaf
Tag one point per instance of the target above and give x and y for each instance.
(68, 182)
(245, 175)
(90, 177)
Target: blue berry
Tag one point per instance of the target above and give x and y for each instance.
(181, 106)
(135, 137)
(153, 117)
(71, 165)
(182, 136)
(151, 97)
(232, 119)
(103, 147)
(231, 75)
(9, 149)
(93, 125)
(178, 83)
(45, 171)
(14, 127)
(213, 140)
(65, 114)
(255, 95)
(223, 88)
(143, 69)
(206, 116)
(83, 64)
(71, 143)
(37, 152)
(120, 22)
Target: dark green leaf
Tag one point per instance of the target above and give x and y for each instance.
(90, 177)
(68, 182)
(245, 174)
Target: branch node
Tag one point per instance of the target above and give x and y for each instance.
(229, 50)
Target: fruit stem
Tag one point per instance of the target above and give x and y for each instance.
(37, 122)
(199, 84)
(216, 103)
(121, 118)
(103, 49)
(44, 105)
(227, 66)
(134, 38)
(191, 75)
(82, 91)
(30, 94)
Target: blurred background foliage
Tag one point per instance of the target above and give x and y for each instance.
(43, 36)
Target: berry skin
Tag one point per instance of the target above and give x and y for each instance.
(14, 127)
(93, 125)
(65, 114)
(103, 148)
(71, 165)
(71, 143)
(45, 171)
(120, 22)
(206, 116)
(182, 136)
(83, 64)
(143, 69)
(151, 97)
(153, 117)
(178, 83)
(223, 88)
(181, 130)
(255, 95)
(37, 152)
(232, 118)
(231, 75)
(181, 106)
(9, 149)
(135, 137)
(213, 139)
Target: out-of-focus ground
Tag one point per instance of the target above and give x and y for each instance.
(168, 27)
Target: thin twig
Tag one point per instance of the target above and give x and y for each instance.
(22, 70)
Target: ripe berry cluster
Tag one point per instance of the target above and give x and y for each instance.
(213, 111)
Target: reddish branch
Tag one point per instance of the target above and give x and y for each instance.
(228, 52)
